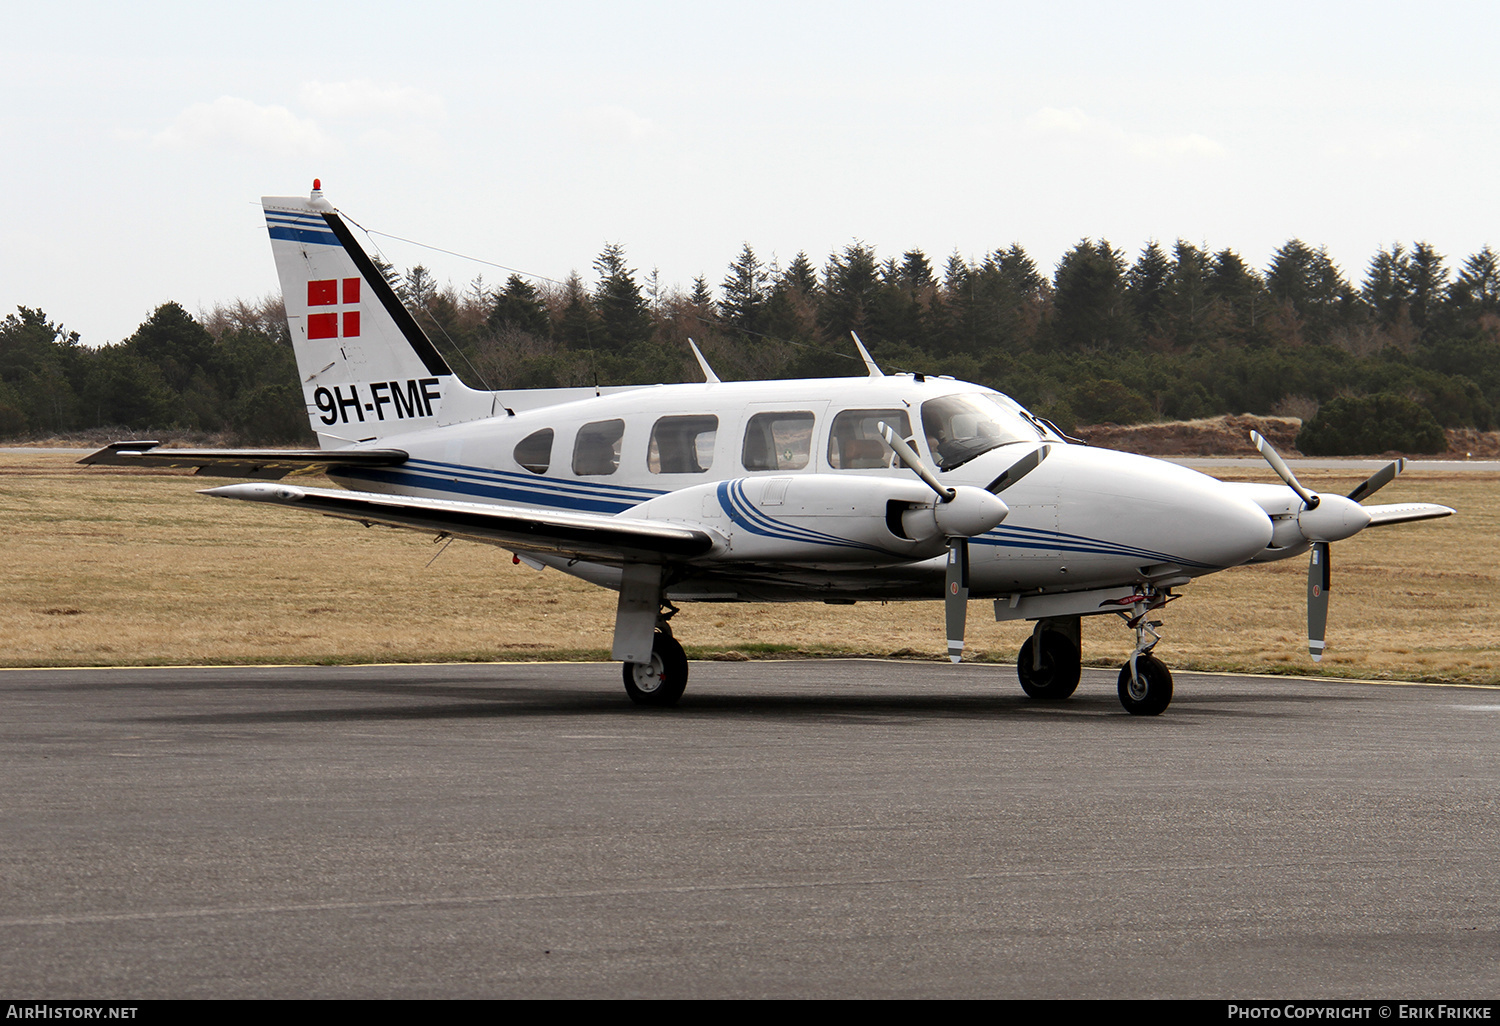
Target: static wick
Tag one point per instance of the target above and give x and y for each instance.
(446, 539)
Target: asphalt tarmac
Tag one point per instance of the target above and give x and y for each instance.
(794, 829)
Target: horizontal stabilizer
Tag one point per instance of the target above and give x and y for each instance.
(1405, 512)
(594, 537)
(265, 464)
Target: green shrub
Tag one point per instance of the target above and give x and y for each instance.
(1110, 402)
(1365, 425)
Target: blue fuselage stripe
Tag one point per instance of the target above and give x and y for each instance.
(547, 485)
(493, 492)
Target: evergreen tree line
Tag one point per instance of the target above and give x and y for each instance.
(1173, 334)
(230, 373)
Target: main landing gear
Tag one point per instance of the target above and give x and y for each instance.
(661, 681)
(1049, 664)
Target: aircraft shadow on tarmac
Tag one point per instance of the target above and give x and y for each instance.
(502, 699)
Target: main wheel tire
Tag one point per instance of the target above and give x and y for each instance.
(1061, 667)
(1151, 691)
(661, 681)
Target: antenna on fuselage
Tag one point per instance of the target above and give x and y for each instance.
(874, 369)
(708, 372)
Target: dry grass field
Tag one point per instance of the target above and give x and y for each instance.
(135, 568)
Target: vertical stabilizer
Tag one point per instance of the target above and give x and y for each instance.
(367, 368)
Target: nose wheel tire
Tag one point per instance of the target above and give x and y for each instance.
(661, 681)
(1151, 689)
(1058, 676)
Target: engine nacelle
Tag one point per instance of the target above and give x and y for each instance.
(815, 518)
(1294, 527)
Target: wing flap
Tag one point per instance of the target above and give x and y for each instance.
(589, 536)
(265, 464)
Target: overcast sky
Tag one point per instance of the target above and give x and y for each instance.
(138, 138)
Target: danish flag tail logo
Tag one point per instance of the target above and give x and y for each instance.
(327, 293)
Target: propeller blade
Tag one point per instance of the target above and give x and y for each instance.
(914, 463)
(1378, 480)
(1017, 470)
(956, 595)
(1282, 470)
(1318, 576)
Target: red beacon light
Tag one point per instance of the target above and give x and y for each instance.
(317, 185)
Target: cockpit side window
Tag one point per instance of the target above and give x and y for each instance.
(778, 441)
(682, 445)
(597, 448)
(855, 442)
(534, 452)
(960, 427)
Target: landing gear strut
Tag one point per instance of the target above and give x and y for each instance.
(1145, 682)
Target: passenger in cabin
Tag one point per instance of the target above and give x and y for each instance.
(594, 457)
(861, 454)
(597, 449)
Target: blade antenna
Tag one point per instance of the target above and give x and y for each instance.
(708, 372)
(870, 365)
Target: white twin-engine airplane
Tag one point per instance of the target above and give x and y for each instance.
(835, 489)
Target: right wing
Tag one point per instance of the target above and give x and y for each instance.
(1405, 512)
(590, 536)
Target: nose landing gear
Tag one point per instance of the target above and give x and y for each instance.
(1049, 660)
(1145, 682)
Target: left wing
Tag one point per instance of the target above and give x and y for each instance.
(590, 536)
(267, 464)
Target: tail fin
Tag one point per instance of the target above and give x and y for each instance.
(367, 368)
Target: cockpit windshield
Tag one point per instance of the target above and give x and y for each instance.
(960, 427)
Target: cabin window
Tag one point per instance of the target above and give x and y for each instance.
(534, 452)
(855, 443)
(778, 441)
(597, 448)
(682, 445)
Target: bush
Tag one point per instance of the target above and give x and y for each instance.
(1110, 402)
(1365, 425)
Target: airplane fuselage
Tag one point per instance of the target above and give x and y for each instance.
(801, 500)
